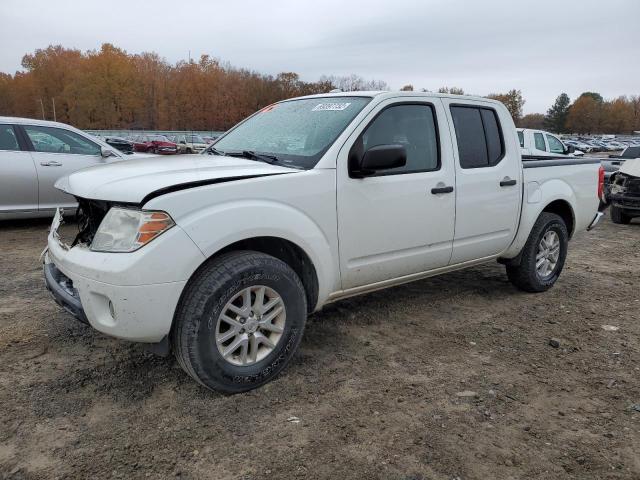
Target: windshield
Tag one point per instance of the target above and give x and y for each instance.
(195, 139)
(296, 132)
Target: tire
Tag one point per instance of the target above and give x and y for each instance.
(188, 150)
(525, 276)
(199, 321)
(618, 216)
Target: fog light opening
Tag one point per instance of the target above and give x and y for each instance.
(112, 310)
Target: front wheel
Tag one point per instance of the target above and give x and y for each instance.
(543, 255)
(240, 321)
(618, 216)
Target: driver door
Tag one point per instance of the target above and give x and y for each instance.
(56, 153)
(397, 222)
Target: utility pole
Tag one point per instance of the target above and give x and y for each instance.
(53, 101)
(42, 107)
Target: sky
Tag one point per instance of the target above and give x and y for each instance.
(542, 47)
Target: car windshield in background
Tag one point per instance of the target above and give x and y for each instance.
(631, 152)
(296, 132)
(157, 138)
(195, 139)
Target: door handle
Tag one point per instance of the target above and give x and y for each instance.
(52, 163)
(438, 190)
(507, 182)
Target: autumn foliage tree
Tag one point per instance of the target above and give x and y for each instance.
(513, 100)
(110, 88)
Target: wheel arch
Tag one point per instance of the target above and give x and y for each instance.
(287, 251)
(563, 209)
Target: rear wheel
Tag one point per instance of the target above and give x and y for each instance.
(240, 321)
(618, 216)
(543, 255)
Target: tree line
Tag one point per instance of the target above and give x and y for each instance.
(589, 114)
(112, 89)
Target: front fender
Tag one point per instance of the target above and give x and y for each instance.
(537, 196)
(221, 225)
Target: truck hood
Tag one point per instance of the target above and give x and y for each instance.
(631, 167)
(132, 181)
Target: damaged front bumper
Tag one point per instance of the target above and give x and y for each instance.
(132, 296)
(61, 288)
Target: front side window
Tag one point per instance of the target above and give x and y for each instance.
(296, 132)
(412, 126)
(58, 140)
(479, 137)
(555, 145)
(539, 142)
(8, 140)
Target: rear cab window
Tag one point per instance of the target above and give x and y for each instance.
(521, 138)
(479, 136)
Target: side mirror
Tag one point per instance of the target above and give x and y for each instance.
(381, 157)
(106, 152)
(570, 148)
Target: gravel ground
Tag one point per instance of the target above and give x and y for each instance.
(448, 378)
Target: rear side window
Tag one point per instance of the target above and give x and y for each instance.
(479, 137)
(8, 140)
(539, 141)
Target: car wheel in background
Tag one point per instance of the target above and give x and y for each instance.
(240, 321)
(618, 216)
(543, 256)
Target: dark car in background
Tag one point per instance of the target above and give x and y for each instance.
(122, 144)
(624, 192)
(159, 144)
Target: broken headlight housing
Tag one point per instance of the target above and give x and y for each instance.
(127, 230)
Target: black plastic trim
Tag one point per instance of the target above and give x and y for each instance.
(201, 183)
(531, 161)
(62, 297)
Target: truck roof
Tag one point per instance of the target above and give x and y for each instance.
(383, 94)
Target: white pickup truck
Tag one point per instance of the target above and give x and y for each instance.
(220, 257)
(538, 143)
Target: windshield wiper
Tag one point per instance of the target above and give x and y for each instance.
(215, 151)
(251, 155)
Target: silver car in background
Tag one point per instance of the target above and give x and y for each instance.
(36, 153)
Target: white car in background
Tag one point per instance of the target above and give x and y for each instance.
(34, 154)
(538, 143)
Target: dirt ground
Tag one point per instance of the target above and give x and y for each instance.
(447, 378)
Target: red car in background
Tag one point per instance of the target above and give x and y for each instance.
(154, 144)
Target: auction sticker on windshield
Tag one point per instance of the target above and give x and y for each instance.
(330, 106)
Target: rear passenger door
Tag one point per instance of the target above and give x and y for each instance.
(18, 176)
(58, 152)
(488, 181)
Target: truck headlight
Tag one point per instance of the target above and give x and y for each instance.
(126, 230)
